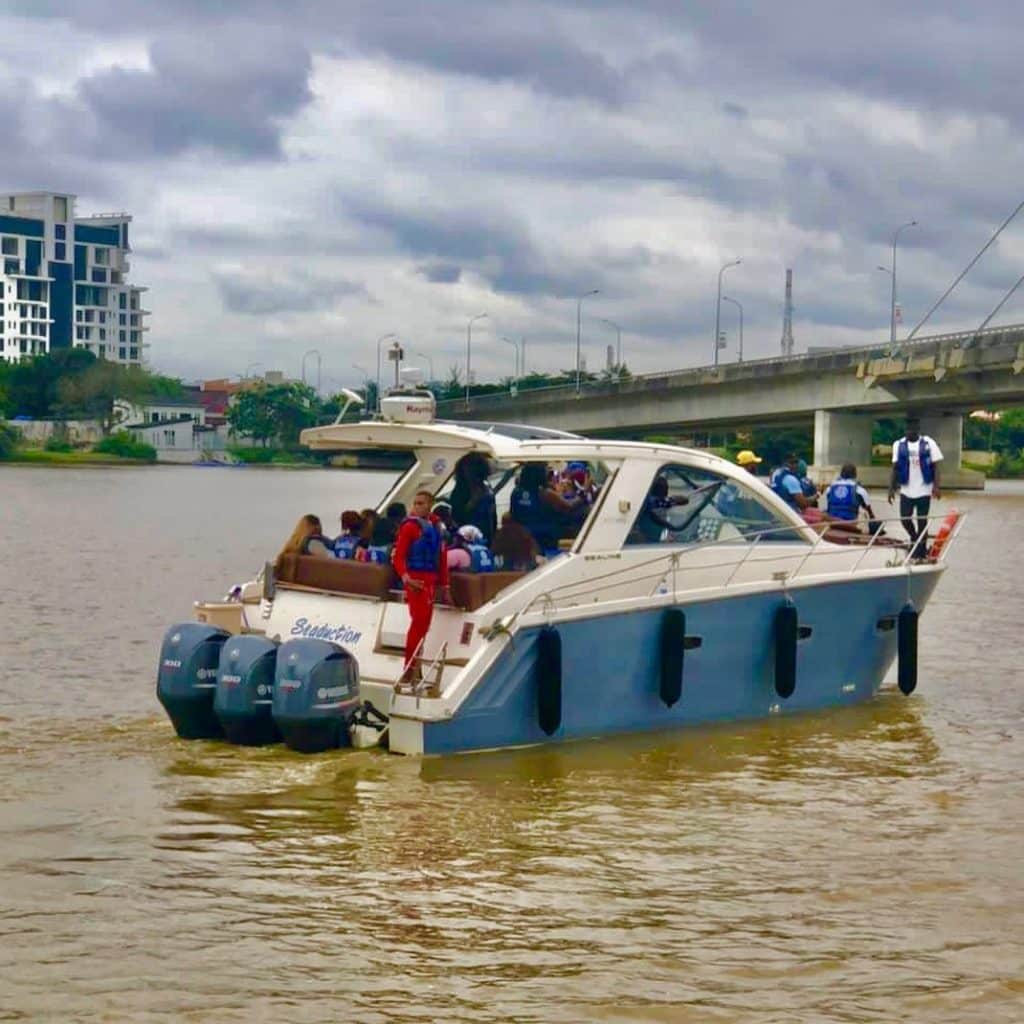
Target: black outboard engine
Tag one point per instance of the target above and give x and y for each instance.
(316, 691)
(245, 690)
(187, 678)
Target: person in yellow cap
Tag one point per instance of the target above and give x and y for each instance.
(748, 460)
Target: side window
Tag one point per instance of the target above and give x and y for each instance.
(688, 505)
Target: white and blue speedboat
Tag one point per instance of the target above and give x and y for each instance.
(730, 607)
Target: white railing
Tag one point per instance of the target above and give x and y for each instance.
(662, 569)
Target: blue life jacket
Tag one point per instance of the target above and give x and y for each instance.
(807, 486)
(529, 511)
(903, 460)
(425, 551)
(842, 499)
(481, 559)
(776, 485)
(377, 554)
(345, 546)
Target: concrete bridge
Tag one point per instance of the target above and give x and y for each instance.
(842, 391)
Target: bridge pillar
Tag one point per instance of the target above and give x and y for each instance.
(948, 431)
(841, 437)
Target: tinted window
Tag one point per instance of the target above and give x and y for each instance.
(696, 506)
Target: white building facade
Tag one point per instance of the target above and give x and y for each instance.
(64, 281)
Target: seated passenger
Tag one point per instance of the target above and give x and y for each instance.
(652, 523)
(374, 539)
(346, 543)
(443, 511)
(471, 541)
(807, 485)
(547, 514)
(306, 539)
(472, 501)
(514, 547)
(395, 514)
(580, 480)
(845, 498)
(785, 482)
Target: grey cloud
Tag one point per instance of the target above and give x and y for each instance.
(500, 251)
(440, 273)
(258, 294)
(226, 90)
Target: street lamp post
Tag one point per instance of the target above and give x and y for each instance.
(892, 303)
(380, 341)
(725, 298)
(515, 345)
(469, 349)
(251, 366)
(430, 363)
(312, 352)
(579, 325)
(718, 303)
(618, 341)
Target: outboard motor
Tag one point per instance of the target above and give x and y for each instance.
(245, 690)
(187, 678)
(316, 691)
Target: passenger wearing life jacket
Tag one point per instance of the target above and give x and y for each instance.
(845, 497)
(306, 539)
(916, 475)
(785, 482)
(807, 485)
(468, 541)
(420, 560)
(347, 541)
(539, 507)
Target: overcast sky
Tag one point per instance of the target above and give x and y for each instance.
(316, 174)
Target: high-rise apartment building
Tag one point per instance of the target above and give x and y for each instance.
(63, 281)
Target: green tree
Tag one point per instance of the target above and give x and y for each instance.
(91, 394)
(33, 384)
(274, 412)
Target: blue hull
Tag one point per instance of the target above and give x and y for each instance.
(611, 666)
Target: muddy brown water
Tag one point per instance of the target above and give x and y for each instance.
(857, 865)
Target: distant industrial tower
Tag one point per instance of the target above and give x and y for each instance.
(787, 319)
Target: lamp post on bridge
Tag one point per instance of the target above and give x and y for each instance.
(725, 298)
(718, 304)
(579, 323)
(892, 303)
(469, 348)
(515, 345)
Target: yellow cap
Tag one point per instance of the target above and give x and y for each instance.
(746, 457)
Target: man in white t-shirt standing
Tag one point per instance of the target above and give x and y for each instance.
(915, 474)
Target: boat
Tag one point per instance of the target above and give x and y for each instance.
(733, 607)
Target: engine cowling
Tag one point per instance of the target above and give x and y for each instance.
(187, 678)
(316, 691)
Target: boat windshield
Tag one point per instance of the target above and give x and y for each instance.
(690, 505)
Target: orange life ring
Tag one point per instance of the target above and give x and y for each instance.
(944, 533)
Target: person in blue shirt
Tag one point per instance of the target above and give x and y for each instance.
(785, 482)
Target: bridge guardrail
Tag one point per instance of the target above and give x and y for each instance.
(875, 351)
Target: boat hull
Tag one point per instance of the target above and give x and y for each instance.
(611, 665)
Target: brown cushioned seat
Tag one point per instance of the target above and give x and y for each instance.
(471, 590)
(340, 575)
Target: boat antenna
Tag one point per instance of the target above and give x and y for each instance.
(963, 273)
(351, 397)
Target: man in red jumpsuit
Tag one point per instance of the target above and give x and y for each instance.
(420, 559)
